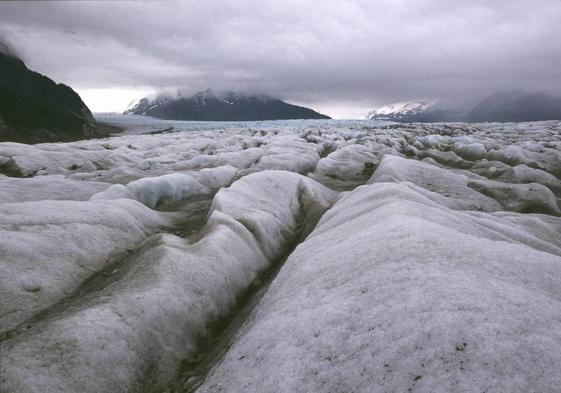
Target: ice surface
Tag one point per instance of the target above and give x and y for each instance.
(393, 292)
(54, 187)
(347, 167)
(524, 198)
(47, 248)
(177, 187)
(272, 206)
(441, 274)
(451, 185)
(164, 302)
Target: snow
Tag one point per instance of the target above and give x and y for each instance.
(435, 265)
(399, 109)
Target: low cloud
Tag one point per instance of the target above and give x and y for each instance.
(7, 48)
(323, 53)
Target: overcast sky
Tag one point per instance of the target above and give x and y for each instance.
(340, 57)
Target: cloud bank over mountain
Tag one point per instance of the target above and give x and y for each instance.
(325, 54)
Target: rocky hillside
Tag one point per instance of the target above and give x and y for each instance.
(33, 108)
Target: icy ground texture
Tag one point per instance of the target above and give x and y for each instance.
(435, 265)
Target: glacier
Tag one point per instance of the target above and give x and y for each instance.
(283, 256)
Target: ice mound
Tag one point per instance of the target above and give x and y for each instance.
(47, 187)
(285, 152)
(47, 248)
(523, 198)
(347, 167)
(394, 292)
(470, 150)
(150, 191)
(216, 178)
(272, 204)
(452, 186)
(524, 174)
(136, 331)
(49, 158)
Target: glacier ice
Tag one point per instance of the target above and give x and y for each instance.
(47, 248)
(434, 265)
(171, 293)
(392, 292)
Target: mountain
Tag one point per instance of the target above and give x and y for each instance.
(414, 112)
(504, 106)
(401, 111)
(516, 106)
(35, 109)
(229, 106)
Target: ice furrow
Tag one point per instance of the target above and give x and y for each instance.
(393, 291)
(134, 332)
(194, 370)
(47, 253)
(193, 217)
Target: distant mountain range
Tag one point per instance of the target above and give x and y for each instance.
(228, 106)
(399, 111)
(35, 109)
(516, 106)
(505, 106)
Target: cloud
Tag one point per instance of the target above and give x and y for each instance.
(322, 53)
(7, 48)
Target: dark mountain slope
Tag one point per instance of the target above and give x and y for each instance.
(35, 109)
(209, 106)
(516, 106)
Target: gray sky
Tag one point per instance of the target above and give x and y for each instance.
(340, 57)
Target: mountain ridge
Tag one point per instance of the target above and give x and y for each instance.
(209, 105)
(35, 109)
(503, 106)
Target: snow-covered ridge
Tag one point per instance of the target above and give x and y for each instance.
(425, 257)
(399, 111)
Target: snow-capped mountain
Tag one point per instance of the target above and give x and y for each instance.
(504, 106)
(401, 111)
(220, 106)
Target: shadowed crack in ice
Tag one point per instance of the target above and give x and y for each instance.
(135, 331)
